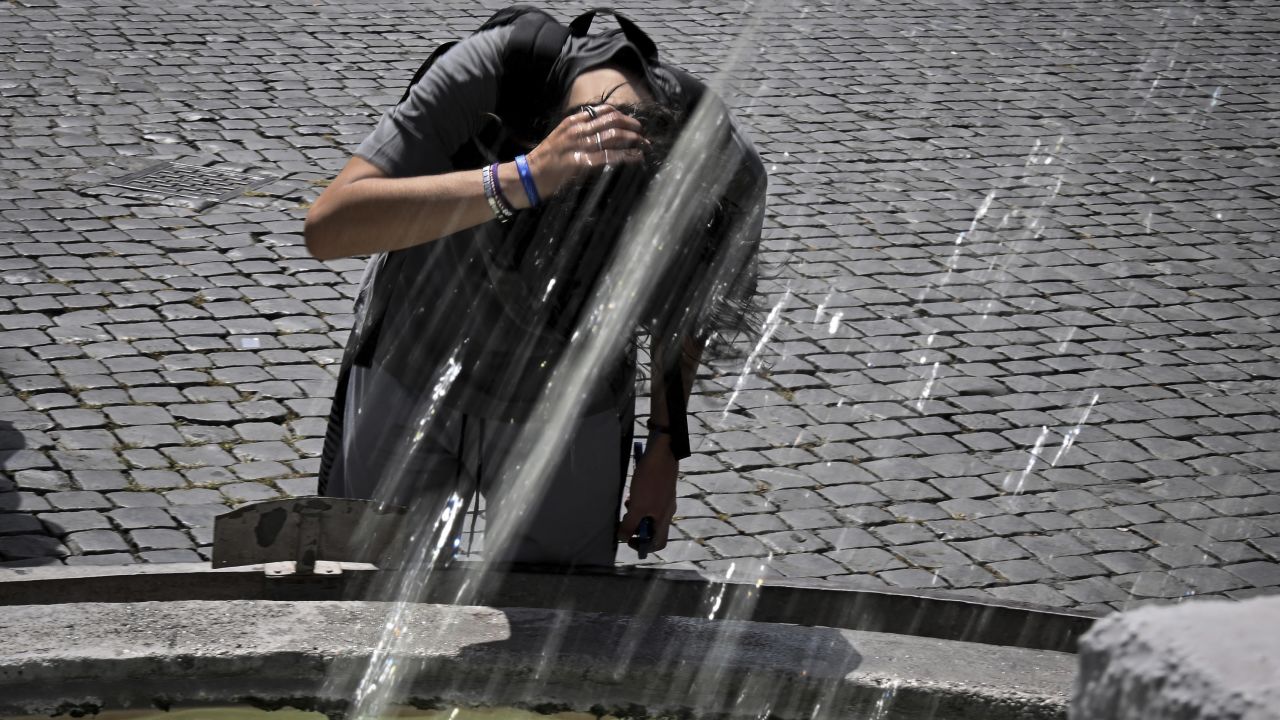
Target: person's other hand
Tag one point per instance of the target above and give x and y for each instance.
(653, 493)
(581, 143)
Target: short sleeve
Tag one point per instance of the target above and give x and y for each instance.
(444, 108)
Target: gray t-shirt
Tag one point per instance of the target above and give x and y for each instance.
(451, 310)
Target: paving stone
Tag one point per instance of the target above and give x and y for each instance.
(211, 412)
(808, 519)
(705, 527)
(847, 495)
(77, 500)
(913, 578)
(962, 576)
(1152, 585)
(899, 469)
(199, 456)
(739, 503)
(1208, 579)
(1173, 534)
(930, 555)
(756, 524)
(298, 487)
(1093, 590)
(149, 436)
(904, 490)
(842, 538)
(1127, 562)
(796, 499)
(1051, 545)
(963, 487)
(1235, 552)
(866, 560)
(904, 533)
(723, 483)
(1032, 593)
(248, 492)
(159, 539)
(805, 565)
(1006, 525)
(917, 512)
(1020, 571)
(198, 515)
(42, 480)
(1105, 540)
(732, 546)
(969, 509)
(138, 415)
(64, 523)
(683, 551)
(950, 530)
(19, 524)
(96, 541)
(158, 479)
(1074, 566)
(141, 517)
(1226, 529)
(1260, 574)
(194, 497)
(24, 547)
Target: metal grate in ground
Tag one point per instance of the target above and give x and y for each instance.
(191, 182)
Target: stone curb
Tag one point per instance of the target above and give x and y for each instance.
(120, 655)
(622, 591)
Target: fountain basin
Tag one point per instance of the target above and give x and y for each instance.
(90, 656)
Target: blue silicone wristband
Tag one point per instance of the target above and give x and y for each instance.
(526, 179)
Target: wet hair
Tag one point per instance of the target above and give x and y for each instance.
(568, 240)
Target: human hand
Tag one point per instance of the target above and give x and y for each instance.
(653, 493)
(581, 143)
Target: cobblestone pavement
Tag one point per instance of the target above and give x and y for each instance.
(1022, 257)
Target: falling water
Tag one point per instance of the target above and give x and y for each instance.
(612, 312)
(1069, 439)
(1013, 482)
(752, 364)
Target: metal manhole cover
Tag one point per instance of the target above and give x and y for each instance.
(191, 182)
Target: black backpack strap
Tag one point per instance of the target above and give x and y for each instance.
(537, 39)
(426, 65)
(677, 422)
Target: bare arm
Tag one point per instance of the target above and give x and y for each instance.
(363, 211)
(653, 486)
(658, 414)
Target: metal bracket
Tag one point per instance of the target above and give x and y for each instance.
(295, 537)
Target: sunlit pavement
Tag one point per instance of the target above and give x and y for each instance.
(1022, 262)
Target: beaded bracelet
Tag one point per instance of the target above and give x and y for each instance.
(497, 191)
(526, 179)
(501, 209)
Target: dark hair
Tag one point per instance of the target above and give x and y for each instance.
(564, 245)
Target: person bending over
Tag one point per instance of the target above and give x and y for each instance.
(491, 197)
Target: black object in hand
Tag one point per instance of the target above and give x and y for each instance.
(642, 539)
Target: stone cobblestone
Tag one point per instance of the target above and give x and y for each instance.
(1022, 259)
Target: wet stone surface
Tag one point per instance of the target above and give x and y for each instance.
(1023, 261)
